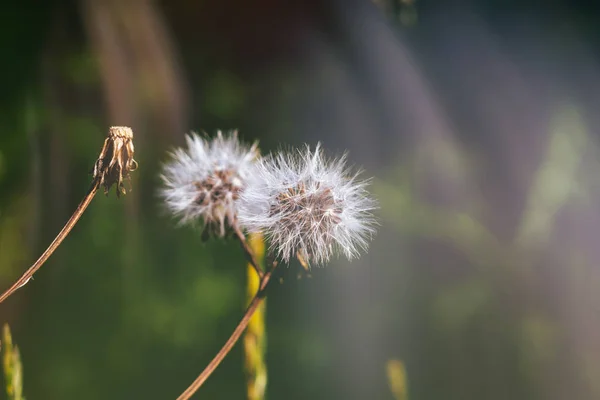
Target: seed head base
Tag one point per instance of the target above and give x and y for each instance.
(115, 161)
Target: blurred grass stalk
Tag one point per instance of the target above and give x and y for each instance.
(11, 364)
(255, 338)
(397, 381)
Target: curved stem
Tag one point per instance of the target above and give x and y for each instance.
(235, 336)
(249, 253)
(56, 242)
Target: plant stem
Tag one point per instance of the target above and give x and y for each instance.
(235, 336)
(13, 368)
(255, 336)
(248, 251)
(56, 242)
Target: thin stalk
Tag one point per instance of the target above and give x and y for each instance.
(248, 251)
(255, 336)
(56, 242)
(13, 368)
(235, 336)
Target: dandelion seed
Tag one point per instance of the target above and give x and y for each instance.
(308, 206)
(204, 181)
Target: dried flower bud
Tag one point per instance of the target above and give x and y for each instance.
(116, 159)
(204, 181)
(308, 207)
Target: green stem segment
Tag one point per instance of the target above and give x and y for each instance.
(255, 338)
(11, 364)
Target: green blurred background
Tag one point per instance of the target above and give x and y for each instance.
(478, 119)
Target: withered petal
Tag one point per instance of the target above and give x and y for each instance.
(115, 161)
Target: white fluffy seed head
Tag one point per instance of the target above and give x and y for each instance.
(203, 182)
(308, 205)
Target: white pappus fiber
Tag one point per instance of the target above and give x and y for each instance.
(308, 205)
(204, 181)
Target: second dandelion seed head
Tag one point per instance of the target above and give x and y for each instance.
(204, 181)
(308, 206)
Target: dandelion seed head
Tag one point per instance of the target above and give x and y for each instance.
(203, 181)
(308, 205)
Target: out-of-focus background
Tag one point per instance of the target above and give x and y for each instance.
(479, 121)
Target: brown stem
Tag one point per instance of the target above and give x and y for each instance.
(239, 329)
(57, 241)
(249, 253)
